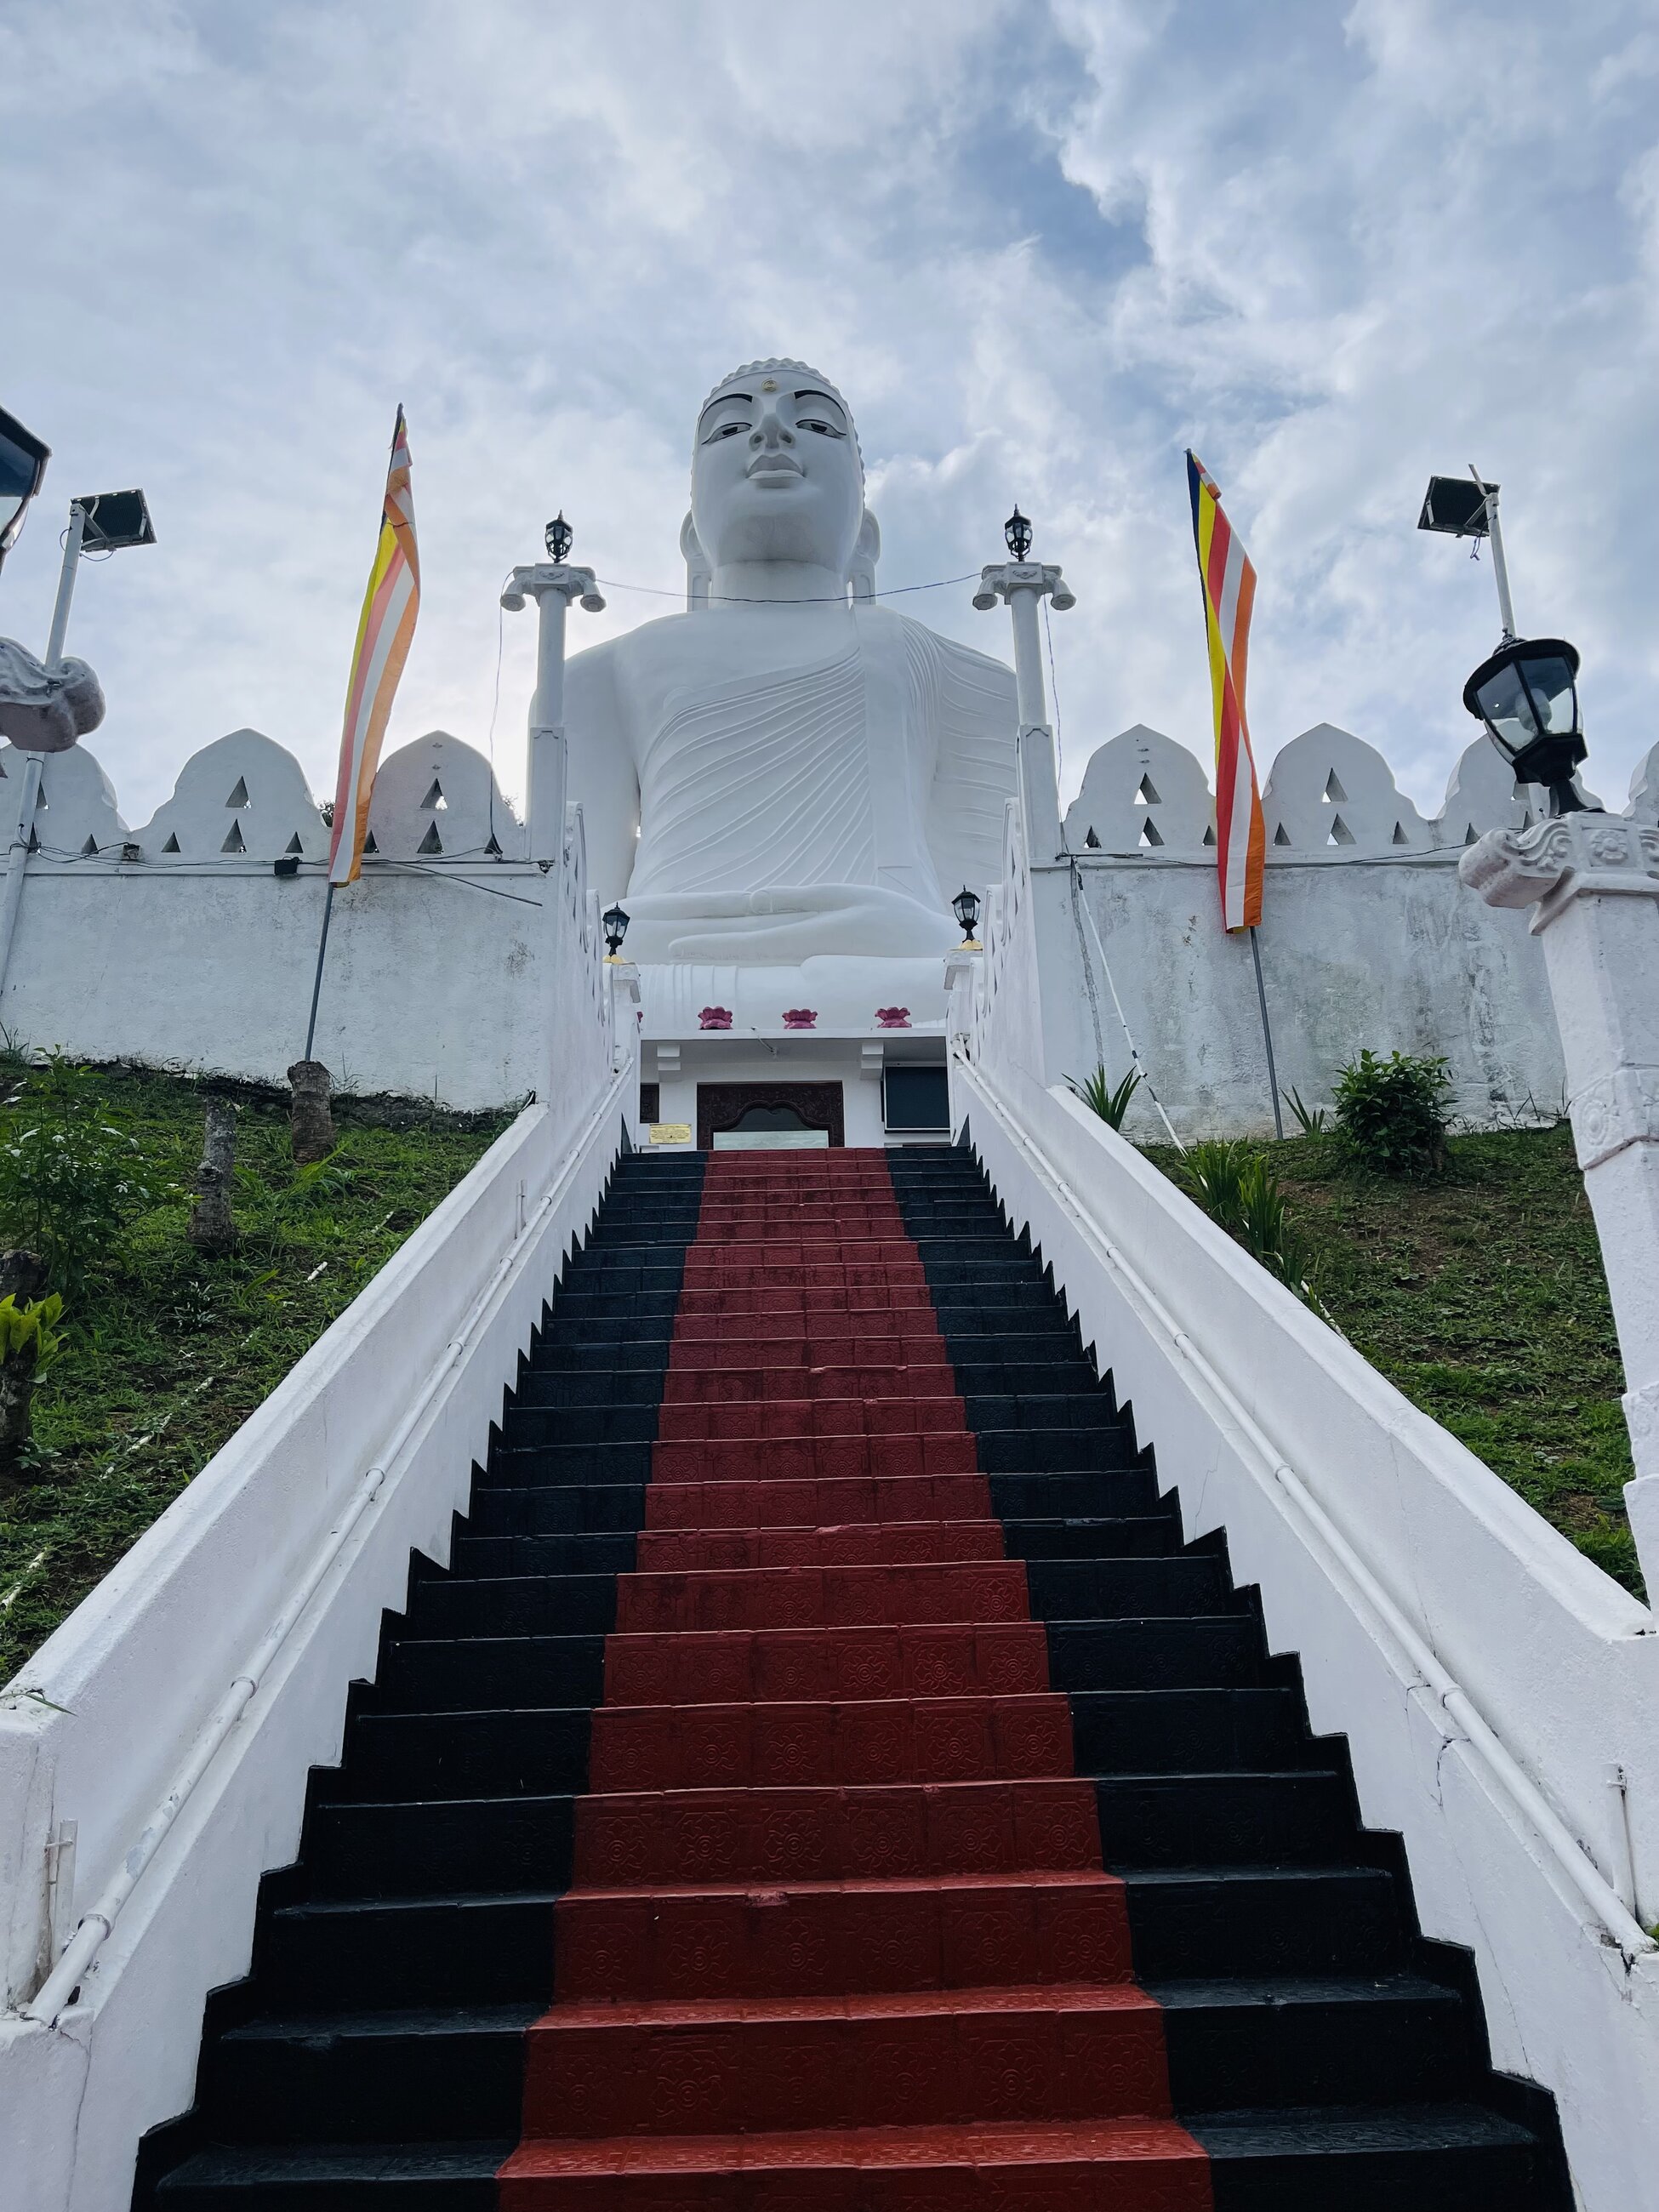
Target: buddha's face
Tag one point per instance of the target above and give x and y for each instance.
(775, 475)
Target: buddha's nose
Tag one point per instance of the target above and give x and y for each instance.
(771, 431)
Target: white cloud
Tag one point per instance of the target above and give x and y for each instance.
(1040, 248)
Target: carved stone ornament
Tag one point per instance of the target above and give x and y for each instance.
(1558, 859)
(1622, 1108)
(1000, 578)
(534, 583)
(44, 707)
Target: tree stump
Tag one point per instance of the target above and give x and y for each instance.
(310, 1122)
(212, 1229)
(22, 1275)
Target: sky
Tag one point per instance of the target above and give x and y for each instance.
(1042, 245)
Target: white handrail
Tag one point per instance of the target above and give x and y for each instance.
(93, 1929)
(1620, 1925)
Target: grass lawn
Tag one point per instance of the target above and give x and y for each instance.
(167, 1352)
(1480, 1294)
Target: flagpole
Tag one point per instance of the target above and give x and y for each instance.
(1266, 1032)
(316, 980)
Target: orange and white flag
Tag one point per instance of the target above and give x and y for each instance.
(1229, 582)
(387, 625)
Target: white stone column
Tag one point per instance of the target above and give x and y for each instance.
(1024, 584)
(1594, 881)
(552, 586)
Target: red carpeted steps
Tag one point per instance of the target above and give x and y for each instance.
(838, 1935)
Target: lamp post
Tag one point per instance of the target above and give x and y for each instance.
(69, 702)
(552, 586)
(1025, 584)
(965, 907)
(614, 923)
(1593, 880)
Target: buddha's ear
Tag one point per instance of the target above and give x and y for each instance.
(861, 573)
(698, 574)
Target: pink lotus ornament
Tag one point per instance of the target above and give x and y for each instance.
(714, 1018)
(893, 1018)
(800, 1017)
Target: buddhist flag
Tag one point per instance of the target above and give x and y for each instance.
(390, 605)
(1228, 583)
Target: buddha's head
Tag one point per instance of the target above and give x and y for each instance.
(776, 475)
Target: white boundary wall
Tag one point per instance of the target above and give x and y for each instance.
(108, 1711)
(176, 943)
(1486, 1675)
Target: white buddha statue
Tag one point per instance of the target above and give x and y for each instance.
(788, 776)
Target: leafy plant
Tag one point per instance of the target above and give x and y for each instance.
(1312, 1121)
(29, 1343)
(1237, 1186)
(1102, 1097)
(70, 1177)
(31, 1328)
(1392, 1114)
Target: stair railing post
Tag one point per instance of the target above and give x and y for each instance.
(1594, 880)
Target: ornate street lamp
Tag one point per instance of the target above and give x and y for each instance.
(614, 922)
(965, 907)
(23, 459)
(1016, 531)
(1527, 694)
(560, 537)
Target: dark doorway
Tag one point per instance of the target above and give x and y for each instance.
(723, 1106)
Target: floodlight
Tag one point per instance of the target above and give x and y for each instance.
(1458, 507)
(116, 519)
(23, 459)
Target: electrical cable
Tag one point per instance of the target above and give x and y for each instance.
(823, 600)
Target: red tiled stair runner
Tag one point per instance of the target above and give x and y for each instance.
(838, 1939)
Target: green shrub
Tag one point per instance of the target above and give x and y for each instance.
(1391, 1114)
(1101, 1095)
(1237, 1186)
(69, 1176)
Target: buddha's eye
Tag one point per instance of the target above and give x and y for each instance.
(725, 430)
(823, 429)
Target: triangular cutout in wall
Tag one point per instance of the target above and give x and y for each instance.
(1341, 833)
(1281, 835)
(369, 845)
(233, 843)
(1400, 836)
(172, 845)
(432, 842)
(1146, 795)
(35, 841)
(239, 797)
(293, 844)
(435, 798)
(1335, 794)
(1092, 841)
(89, 850)
(1469, 835)
(1149, 832)
(1209, 837)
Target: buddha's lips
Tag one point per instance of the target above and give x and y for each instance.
(771, 465)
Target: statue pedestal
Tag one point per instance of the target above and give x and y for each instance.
(845, 994)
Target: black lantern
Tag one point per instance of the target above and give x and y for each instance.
(965, 907)
(23, 459)
(1527, 694)
(1018, 532)
(560, 538)
(614, 924)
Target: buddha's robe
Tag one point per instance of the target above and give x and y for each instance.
(804, 780)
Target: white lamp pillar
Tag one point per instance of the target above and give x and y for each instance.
(1024, 585)
(552, 586)
(1594, 879)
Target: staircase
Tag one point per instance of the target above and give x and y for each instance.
(823, 1779)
